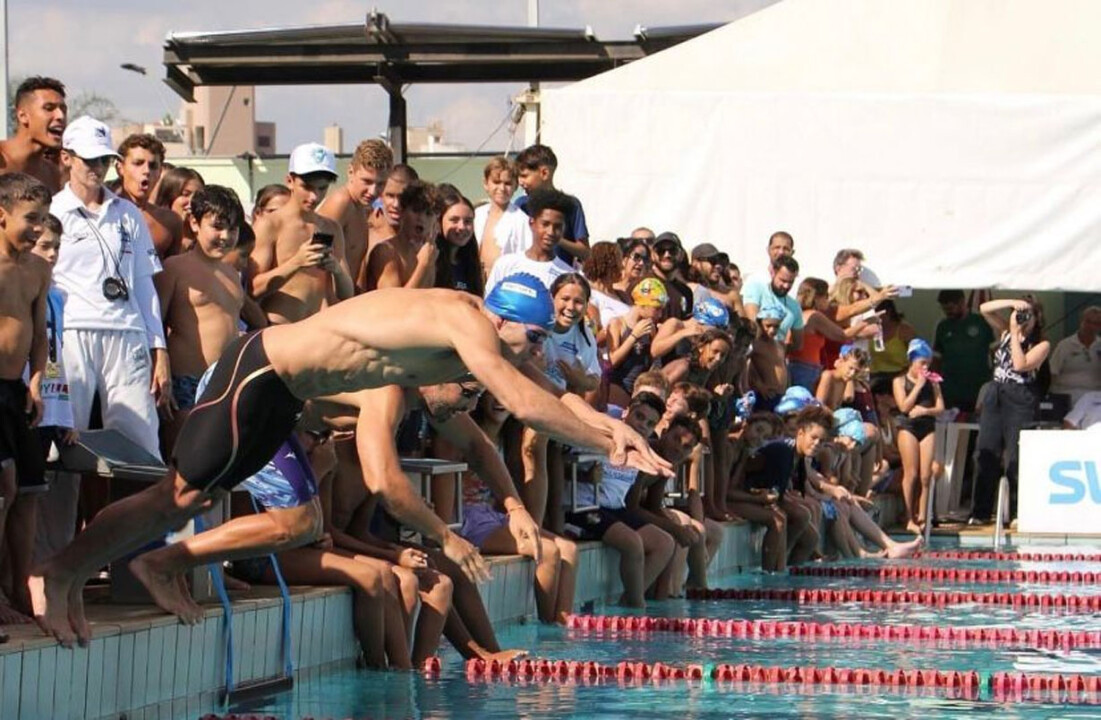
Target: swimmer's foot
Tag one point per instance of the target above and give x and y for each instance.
(164, 589)
(77, 620)
(196, 613)
(10, 616)
(914, 527)
(868, 555)
(502, 656)
(50, 593)
(904, 550)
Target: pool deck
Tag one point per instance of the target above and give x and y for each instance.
(145, 664)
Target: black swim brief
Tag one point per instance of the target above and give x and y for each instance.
(19, 444)
(243, 416)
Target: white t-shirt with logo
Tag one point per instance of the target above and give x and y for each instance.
(572, 347)
(114, 242)
(520, 263)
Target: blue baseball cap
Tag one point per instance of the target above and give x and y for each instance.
(711, 312)
(918, 348)
(522, 298)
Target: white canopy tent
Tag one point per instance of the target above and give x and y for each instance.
(956, 142)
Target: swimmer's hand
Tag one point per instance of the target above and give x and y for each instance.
(35, 407)
(70, 436)
(631, 449)
(413, 559)
(525, 532)
(466, 556)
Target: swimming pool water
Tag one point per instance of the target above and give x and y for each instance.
(346, 692)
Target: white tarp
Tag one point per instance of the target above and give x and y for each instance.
(939, 182)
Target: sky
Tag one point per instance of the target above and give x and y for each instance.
(83, 43)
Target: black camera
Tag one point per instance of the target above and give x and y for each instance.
(114, 288)
(1023, 316)
(323, 238)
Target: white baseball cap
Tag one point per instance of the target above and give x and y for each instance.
(312, 158)
(88, 138)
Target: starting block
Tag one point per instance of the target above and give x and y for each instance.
(130, 469)
(424, 469)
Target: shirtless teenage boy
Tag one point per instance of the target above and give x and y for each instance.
(24, 284)
(201, 296)
(768, 371)
(298, 265)
(382, 222)
(40, 115)
(257, 392)
(139, 167)
(350, 205)
(409, 258)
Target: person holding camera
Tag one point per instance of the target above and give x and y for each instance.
(113, 336)
(1010, 402)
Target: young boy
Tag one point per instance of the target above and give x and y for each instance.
(500, 225)
(547, 213)
(537, 165)
(409, 258)
(298, 265)
(24, 285)
(837, 386)
(201, 296)
(350, 205)
(139, 167)
(768, 372)
(55, 515)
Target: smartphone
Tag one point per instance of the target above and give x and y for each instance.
(323, 238)
(905, 291)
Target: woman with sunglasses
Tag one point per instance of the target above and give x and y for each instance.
(636, 264)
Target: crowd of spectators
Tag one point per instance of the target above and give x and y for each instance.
(782, 400)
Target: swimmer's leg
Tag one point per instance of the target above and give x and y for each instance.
(249, 536)
(120, 528)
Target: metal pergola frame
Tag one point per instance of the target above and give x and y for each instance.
(395, 55)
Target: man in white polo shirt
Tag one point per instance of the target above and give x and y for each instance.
(1076, 360)
(114, 337)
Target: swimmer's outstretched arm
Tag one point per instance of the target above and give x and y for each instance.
(481, 454)
(381, 411)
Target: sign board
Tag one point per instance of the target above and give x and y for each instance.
(1060, 482)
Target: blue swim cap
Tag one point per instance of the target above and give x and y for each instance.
(770, 312)
(918, 348)
(522, 298)
(795, 399)
(711, 312)
(850, 424)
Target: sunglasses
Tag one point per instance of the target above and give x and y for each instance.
(472, 391)
(535, 337)
(666, 250)
(639, 257)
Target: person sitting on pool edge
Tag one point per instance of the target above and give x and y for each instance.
(415, 337)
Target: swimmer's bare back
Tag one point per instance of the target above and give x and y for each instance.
(395, 336)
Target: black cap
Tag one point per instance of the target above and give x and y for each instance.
(666, 238)
(704, 251)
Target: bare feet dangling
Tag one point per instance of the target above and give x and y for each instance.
(903, 550)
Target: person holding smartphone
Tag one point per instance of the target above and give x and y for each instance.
(298, 264)
(1011, 401)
